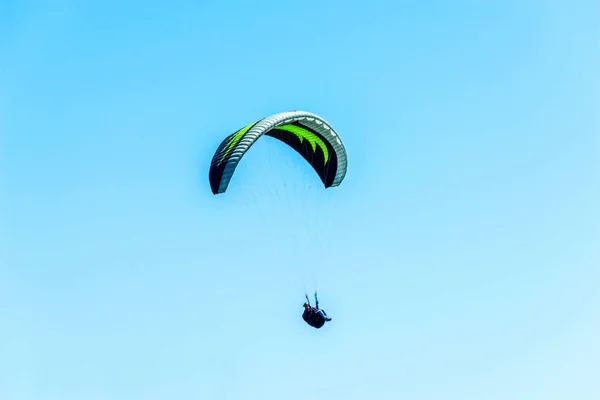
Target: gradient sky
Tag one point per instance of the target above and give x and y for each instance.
(459, 258)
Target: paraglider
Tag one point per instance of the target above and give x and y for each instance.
(311, 137)
(314, 316)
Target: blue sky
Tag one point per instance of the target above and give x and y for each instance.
(459, 258)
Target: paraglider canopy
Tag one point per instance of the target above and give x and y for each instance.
(310, 135)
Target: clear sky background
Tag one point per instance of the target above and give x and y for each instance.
(459, 259)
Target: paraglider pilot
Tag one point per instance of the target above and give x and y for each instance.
(314, 316)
